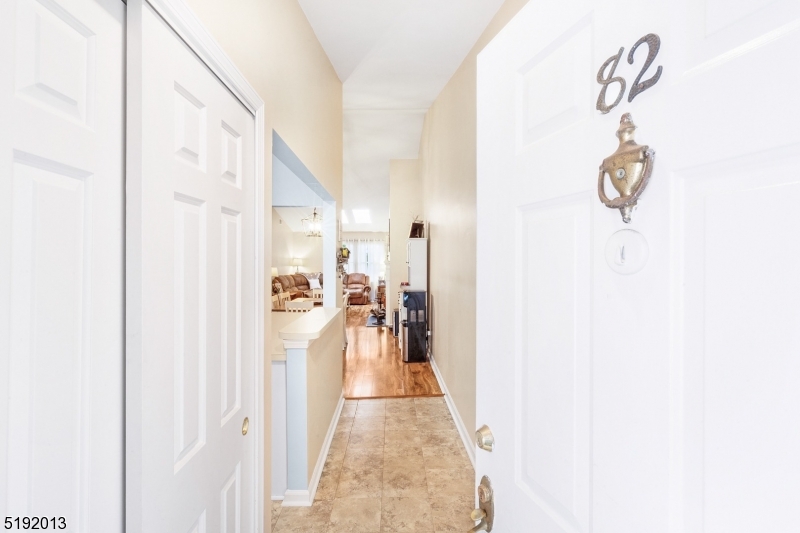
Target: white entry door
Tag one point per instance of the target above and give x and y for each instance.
(648, 381)
(61, 264)
(191, 292)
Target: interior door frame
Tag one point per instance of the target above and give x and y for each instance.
(189, 28)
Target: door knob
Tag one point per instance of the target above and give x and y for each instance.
(484, 438)
(245, 425)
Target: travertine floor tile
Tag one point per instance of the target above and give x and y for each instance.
(368, 408)
(314, 519)
(457, 482)
(404, 480)
(360, 483)
(451, 514)
(355, 515)
(369, 422)
(326, 490)
(343, 431)
(401, 421)
(276, 512)
(400, 408)
(399, 401)
(364, 458)
(438, 437)
(401, 438)
(409, 451)
(394, 466)
(431, 400)
(372, 402)
(433, 409)
(411, 460)
(335, 458)
(339, 442)
(366, 438)
(345, 423)
(434, 422)
(446, 456)
(406, 515)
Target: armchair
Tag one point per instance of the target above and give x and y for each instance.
(357, 286)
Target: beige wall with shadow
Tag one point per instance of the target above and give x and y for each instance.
(448, 180)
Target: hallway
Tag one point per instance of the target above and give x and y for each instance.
(395, 465)
(373, 367)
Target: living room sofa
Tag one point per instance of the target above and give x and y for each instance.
(357, 286)
(294, 284)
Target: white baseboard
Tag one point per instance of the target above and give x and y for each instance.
(466, 436)
(277, 497)
(304, 498)
(323, 453)
(297, 498)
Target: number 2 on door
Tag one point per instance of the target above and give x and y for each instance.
(653, 43)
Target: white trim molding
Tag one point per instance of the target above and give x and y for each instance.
(297, 498)
(466, 436)
(183, 21)
(304, 498)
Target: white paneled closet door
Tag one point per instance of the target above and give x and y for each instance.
(61, 262)
(191, 426)
(666, 398)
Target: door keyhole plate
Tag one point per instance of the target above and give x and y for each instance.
(627, 252)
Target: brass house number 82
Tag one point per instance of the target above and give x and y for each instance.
(653, 43)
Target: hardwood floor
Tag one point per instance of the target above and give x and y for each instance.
(373, 367)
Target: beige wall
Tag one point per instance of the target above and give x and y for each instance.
(405, 203)
(288, 244)
(324, 364)
(281, 245)
(276, 49)
(309, 249)
(448, 183)
(274, 46)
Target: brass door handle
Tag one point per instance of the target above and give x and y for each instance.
(245, 425)
(485, 513)
(482, 526)
(478, 514)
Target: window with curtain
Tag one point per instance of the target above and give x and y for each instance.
(367, 257)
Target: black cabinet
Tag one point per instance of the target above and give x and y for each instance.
(415, 327)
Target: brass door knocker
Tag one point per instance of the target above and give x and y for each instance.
(629, 167)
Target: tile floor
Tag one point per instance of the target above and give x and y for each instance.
(395, 465)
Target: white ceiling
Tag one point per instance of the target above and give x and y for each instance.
(393, 57)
